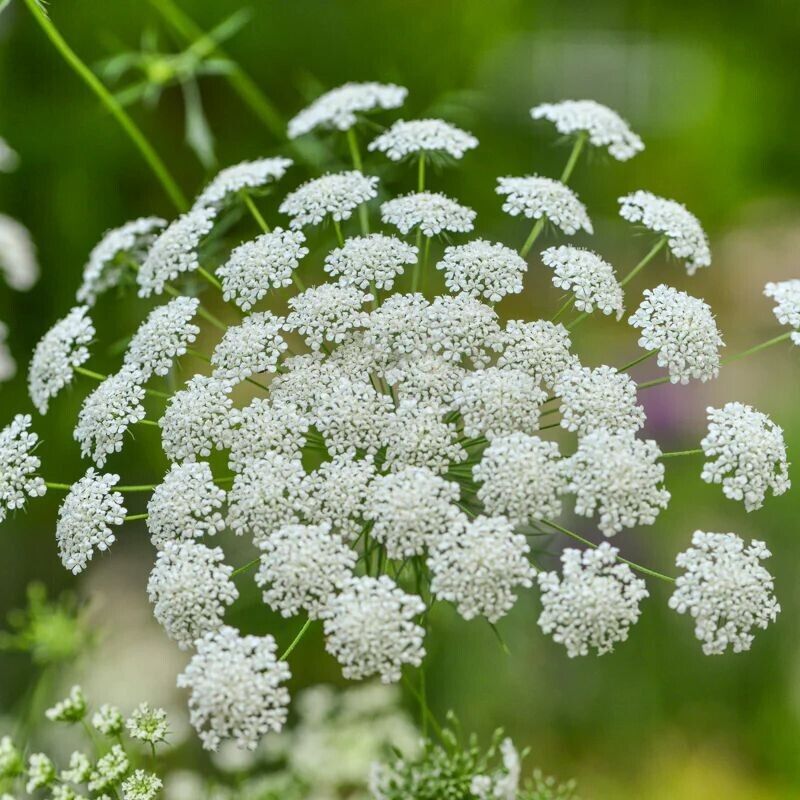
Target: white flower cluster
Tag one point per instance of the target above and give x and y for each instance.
(725, 589)
(683, 330)
(544, 198)
(340, 107)
(235, 684)
(604, 127)
(539, 348)
(255, 345)
(746, 453)
(432, 212)
(587, 276)
(376, 260)
(786, 295)
(335, 195)
(17, 255)
(482, 268)
(684, 234)
(407, 137)
(18, 465)
(265, 426)
(593, 603)
(327, 313)
(242, 177)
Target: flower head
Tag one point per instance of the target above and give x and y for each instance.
(725, 589)
(254, 345)
(593, 603)
(786, 295)
(109, 770)
(112, 256)
(41, 772)
(85, 518)
(148, 724)
(683, 330)
(604, 127)
(746, 453)
(339, 108)
(366, 260)
(334, 195)
(370, 629)
(71, 709)
(17, 255)
(247, 175)
(428, 379)
(236, 692)
(190, 587)
(432, 212)
(58, 352)
(302, 568)
(522, 478)
(587, 276)
(141, 785)
(598, 398)
(107, 412)
(407, 137)
(108, 720)
(18, 465)
(481, 268)
(685, 236)
(620, 477)
(535, 198)
(477, 564)
(267, 262)
(163, 336)
(460, 327)
(175, 250)
(539, 348)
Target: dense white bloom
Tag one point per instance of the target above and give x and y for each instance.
(618, 476)
(354, 356)
(605, 128)
(141, 785)
(683, 330)
(190, 587)
(326, 313)
(540, 348)
(336, 492)
(18, 465)
(786, 295)
(461, 327)
(410, 509)
(175, 250)
(107, 412)
(302, 568)
(370, 629)
(163, 336)
(267, 262)
(266, 425)
(481, 268)
(495, 401)
(18, 261)
(197, 419)
(406, 137)
(266, 495)
(503, 784)
(376, 260)
(110, 769)
(725, 589)
(241, 177)
(397, 328)
(351, 414)
(79, 770)
(235, 688)
(85, 518)
(255, 345)
(57, 354)
(417, 436)
(185, 505)
(536, 197)
(340, 107)
(71, 709)
(108, 720)
(41, 772)
(335, 194)
(148, 724)
(433, 212)
(522, 478)
(598, 398)
(115, 254)
(589, 277)
(685, 236)
(747, 454)
(477, 564)
(429, 379)
(593, 603)
(302, 377)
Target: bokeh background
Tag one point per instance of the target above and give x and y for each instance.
(714, 92)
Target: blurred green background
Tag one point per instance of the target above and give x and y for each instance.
(713, 91)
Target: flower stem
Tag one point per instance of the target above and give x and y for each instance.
(355, 154)
(98, 376)
(421, 173)
(111, 103)
(135, 517)
(245, 568)
(418, 276)
(257, 216)
(212, 279)
(149, 422)
(339, 236)
(632, 364)
(288, 651)
(755, 349)
(637, 567)
(567, 304)
(645, 261)
(532, 236)
(580, 140)
(677, 453)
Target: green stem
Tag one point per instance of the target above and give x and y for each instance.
(339, 236)
(532, 236)
(500, 639)
(632, 364)
(421, 173)
(134, 517)
(111, 103)
(257, 216)
(756, 348)
(577, 321)
(149, 422)
(426, 712)
(567, 304)
(676, 453)
(632, 564)
(551, 425)
(659, 245)
(246, 567)
(423, 251)
(355, 154)
(202, 311)
(288, 651)
(98, 376)
(211, 278)
(580, 140)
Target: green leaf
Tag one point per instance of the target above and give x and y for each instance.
(198, 132)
